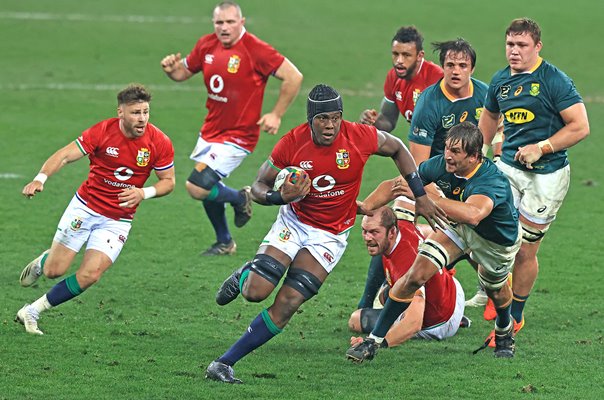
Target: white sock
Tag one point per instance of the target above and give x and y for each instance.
(41, 304)
(378, 340)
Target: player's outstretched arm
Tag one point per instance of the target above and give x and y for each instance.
(60, 158)
(387, 118)
(391, 146)
(292, 81)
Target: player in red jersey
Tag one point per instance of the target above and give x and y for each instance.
(236, 66)
(309, 237)
(122, 151)
(437, 308)
(410, 75)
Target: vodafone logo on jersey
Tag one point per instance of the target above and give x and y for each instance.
(216, 84)
(123, 173)
(112, 151)
(323, 184)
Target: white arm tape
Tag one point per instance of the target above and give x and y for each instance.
(41, 177)
(149, 192)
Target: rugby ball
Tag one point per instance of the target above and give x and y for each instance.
(292, 173)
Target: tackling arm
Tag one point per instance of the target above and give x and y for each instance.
(389, 145)
(470, 212)
(292, 80)
(58, 160)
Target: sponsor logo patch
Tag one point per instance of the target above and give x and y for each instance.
(504, 91)
(112, 151)
(448, 121)
(534, 89)
(519, 116)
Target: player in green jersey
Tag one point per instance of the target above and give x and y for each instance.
(543, 116)
(478, 199)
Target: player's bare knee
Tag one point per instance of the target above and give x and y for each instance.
(196, 192)
(354, 322)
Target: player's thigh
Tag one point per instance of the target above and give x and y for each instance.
(109, 237)
(223, 158)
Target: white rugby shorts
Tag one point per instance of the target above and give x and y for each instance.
(79, 224)
(538, 197)
(290, 235)
(223, 158)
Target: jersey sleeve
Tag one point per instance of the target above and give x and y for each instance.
(194, 60)
(89, 140)
(280, 155)
(493, 190)
(423, 123)
(165, 158)
(430, 169)
(267, 59)
(564, 92)
(490, 102)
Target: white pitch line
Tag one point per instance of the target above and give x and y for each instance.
(141, 19)
(10, 175)
(112, 87)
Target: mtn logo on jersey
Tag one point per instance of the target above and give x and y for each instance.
(534, 89)
(448, 121)
(307, 165)
(112, 151)
(343, 159)
(143, 156)
(519, 116)
(234, 63)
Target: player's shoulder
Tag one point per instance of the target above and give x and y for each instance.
(250, 40)
(433, 90)
(207, 41)
(157, 134)
(549, 71)
(432, 68)
(479, 86)
(501, 75)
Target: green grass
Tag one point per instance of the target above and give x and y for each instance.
(149, 328)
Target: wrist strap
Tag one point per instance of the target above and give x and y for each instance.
(274, 197)
(415, 184)
(149, 192)
(41, 177)
(546, 147)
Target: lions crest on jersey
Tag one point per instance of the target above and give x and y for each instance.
(234, 63)
(142, 157)
(343, 159)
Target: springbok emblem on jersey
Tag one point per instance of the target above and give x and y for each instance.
(343, 159)
(534, 89)
(143, 156)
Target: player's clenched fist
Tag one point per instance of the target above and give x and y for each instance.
(368, 117)
(170, 62)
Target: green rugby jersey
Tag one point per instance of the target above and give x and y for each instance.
(437, 111)
(501, 225)
(531, 103)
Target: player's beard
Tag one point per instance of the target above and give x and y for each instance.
(409, 72)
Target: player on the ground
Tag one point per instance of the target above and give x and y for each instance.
(543, 116)
(478, 199)
(309, 237)
(236, 66)
(455, 98)
(437, 308)
(122, 151)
